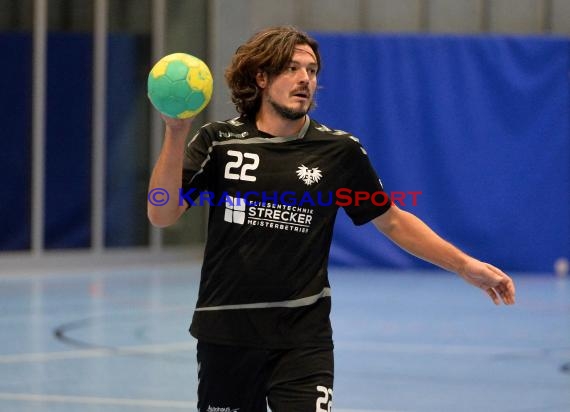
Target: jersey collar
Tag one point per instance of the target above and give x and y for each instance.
(279, 139)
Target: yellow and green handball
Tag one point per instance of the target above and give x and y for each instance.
(180, 85)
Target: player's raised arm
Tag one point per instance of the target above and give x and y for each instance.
(414, 236)
(179, 87)
(163, 208)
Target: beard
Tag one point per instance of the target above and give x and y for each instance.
(288, 113)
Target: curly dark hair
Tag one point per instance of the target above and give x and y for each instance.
(269, 51)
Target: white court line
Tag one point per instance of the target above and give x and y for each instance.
(97, 352)
(92, 400)
(445, 349)
(147, 403)
(358, 346)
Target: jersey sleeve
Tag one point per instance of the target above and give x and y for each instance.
(368, 198)
(197, 166)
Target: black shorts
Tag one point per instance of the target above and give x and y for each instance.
(237, 379)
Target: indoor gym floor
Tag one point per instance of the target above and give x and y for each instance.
(116, 340)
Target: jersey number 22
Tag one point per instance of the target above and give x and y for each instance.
(243, 163)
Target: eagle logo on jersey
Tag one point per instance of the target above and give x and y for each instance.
(309, 176)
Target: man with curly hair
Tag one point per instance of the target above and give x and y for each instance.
(262, 315)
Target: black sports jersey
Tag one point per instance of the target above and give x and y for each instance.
(272, 209)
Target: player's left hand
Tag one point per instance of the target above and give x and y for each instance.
(497, 284)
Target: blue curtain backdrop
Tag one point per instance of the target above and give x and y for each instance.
(15, 158)
(68, 141)
(479, 125)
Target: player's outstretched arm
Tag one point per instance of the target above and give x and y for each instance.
(167, 173)
(414, 236)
